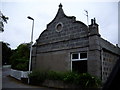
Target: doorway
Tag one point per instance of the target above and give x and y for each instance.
(79, 66)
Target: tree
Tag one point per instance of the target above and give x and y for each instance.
(3, 19)
(6, 53)
(20, 57)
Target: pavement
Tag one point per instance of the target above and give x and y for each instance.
(9, 83)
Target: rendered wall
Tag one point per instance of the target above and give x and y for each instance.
(56, 61)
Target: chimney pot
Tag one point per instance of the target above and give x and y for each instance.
(91, 21)
(94, 21)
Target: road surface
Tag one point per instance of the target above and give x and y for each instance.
(11, 83)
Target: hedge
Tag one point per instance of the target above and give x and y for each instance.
(85, 80)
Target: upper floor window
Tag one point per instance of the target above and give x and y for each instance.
(75, 56)
(83, 55)
(59, 27)
(79, 56)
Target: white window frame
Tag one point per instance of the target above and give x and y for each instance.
(84, 58)
(75, 59)
(78, 57)
(57, 25)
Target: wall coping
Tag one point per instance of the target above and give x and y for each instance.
(19, 74)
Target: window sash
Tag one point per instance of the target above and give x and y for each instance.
(75, 56)
(80, 57)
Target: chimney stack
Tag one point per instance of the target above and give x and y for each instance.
(91, 21)
(94, 21)
(93, 28)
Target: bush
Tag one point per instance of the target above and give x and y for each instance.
(20, 57)
(20, 64)
(52, 75)
(37, 77)
(69, 77)
(85, 80)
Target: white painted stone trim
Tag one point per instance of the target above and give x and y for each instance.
(19, 74)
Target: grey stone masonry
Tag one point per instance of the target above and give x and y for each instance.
(73, 34)
(110, 47)
(94, 30)
(94, 60)
(65, 37)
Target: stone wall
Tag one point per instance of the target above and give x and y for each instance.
(73, 35)
(108, 61)
(110, 47)
(57, 60)
(19, 74)
(63, 45)
(94, 53)
(63, 36)
(53, 47)
(109, 55)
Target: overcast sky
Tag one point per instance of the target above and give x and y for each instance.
(18, 29)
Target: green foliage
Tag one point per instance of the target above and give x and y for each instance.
(69, 77)
(6, 53)
(37, 77)
(3, 19)
(85, 80)
(23, 51)
(20, 57)
(52, 75)
(20, 64)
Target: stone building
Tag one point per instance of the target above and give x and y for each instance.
(70, 45)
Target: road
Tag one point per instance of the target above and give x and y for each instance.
(11, 83)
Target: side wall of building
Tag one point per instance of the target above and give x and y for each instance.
(109, 55)
(108, 61)
(57, 60)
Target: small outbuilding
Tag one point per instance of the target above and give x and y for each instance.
(70, 45)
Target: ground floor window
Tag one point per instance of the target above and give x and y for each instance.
(79, 62)
(79, 66)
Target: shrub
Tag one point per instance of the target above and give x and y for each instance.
(20, 57)
(52, 75)
(37, 77)
(69, 77)
(20, 64)
(85, 80)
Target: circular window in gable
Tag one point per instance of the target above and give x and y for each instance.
(59, 27)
